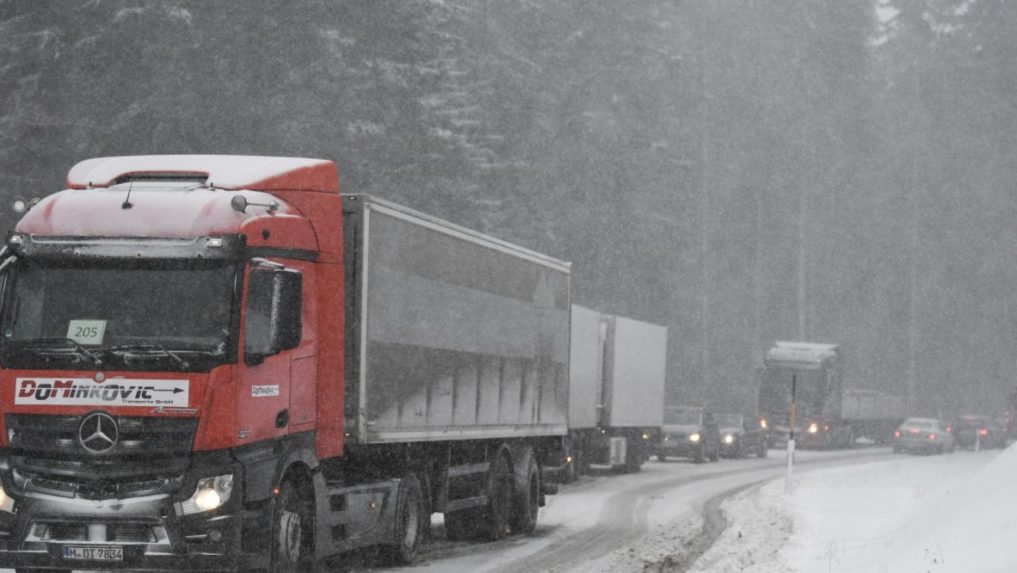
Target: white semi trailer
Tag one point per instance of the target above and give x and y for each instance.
(616, 390)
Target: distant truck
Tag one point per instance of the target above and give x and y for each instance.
(221, 363)
(827, 414)
(616, 391)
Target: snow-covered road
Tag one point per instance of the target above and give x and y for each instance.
(647, 521)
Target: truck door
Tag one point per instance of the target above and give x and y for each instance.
(271, 326)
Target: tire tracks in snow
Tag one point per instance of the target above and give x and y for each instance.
(624, 519)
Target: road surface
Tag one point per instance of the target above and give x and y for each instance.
(658, 520)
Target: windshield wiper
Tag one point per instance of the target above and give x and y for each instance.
(148, 348)
(66, 344)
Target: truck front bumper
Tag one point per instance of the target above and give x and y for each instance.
(138, 534)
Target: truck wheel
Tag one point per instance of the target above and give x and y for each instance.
(634, 459)
(410, 522)
(498, 512)
(699, 457)
(527, 506)
(293, 524)
(461, 525)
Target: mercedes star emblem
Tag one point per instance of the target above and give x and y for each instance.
(98, 433)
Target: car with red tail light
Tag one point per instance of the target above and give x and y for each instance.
(926, 435)
(973, 431)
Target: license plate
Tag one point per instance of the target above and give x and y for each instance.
(94, 552)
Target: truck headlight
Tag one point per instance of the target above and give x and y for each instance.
(211, 492)
(694, 438)
(6, 501)
(729, 439)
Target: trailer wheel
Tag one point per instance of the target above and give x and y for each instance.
(634, 457)
(527, 506)
(498, 512)
(410, 522)
(293, 524)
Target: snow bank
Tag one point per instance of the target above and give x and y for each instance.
(972, 529)
(928, 514)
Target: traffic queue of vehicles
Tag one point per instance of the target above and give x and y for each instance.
(222, 363)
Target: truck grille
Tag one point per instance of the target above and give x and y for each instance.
(79, 531)
(149, 456)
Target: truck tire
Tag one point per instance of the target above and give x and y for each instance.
(410, 522)
(293, 527)
(634, 457)
(699, 456)
(527, 502)
(497, 514)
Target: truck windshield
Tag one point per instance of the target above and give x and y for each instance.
(683, 417)
(729, 421)
(775, 391)
(152, 315)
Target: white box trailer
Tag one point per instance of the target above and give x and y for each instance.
(616, 390)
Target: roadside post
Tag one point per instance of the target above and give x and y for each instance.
(791, 437)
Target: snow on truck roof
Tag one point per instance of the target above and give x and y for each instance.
(175, 195)
(801, 352)
(219, 171)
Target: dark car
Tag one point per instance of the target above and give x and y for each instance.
(969, 430)
(689, 432)
(740, 437)
(923, 435)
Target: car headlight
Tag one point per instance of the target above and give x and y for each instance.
(694, 438)
(211, 492)
(6, 501)
(729, 439)
(813, 428)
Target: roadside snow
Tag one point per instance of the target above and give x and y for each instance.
(934, 514)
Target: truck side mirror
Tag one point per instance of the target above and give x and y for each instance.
(273, 313)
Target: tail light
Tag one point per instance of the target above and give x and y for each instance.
(983, 432)
(915, 431)
(896, 434)
(949, 429)
(932, 437)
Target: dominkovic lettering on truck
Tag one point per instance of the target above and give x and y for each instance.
(88, 392)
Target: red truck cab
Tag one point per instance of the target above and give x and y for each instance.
(162, 364)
